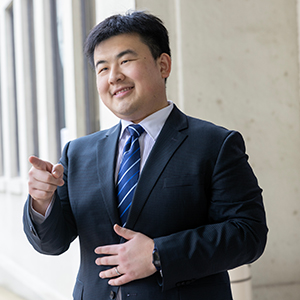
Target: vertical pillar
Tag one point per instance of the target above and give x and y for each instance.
(24, 92)
(45, 81)
(241, 284)
(73, 70)
(10, 147)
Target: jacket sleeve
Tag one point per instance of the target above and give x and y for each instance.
(236, 232)
(55, 234)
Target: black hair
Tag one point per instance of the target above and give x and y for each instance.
(149, 27)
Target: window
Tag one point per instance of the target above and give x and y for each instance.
(91, 97)
(57, 42)
(32, 82)
(1, 132)
(12, 93)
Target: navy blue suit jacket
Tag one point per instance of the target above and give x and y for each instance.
(197, 197)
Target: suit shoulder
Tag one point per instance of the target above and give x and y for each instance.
(185, 122)
(90, 140)
(199, 129)
(213, 136)
(204, 127)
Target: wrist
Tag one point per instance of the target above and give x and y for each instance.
(40, 206)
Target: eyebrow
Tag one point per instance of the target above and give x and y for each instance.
(118, 56)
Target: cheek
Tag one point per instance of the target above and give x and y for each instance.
(138, 72)
(101, 85)
(142, 81)
(146, 75)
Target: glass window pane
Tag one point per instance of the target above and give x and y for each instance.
(14, 151)
(33, 100)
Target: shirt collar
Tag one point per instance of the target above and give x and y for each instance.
(153, 123)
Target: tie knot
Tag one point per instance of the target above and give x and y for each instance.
(135, 130)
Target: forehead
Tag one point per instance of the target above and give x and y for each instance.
(116, 44)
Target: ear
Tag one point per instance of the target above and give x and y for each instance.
(165, 63)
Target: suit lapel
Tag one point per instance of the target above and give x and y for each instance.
(170, 138)
(106, 155)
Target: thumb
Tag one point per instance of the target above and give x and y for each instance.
(40, 164)
(127, 234)
(57, 171)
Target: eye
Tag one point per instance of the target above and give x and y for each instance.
(101, 70)
(125, 61)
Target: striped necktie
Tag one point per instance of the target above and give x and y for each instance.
(129, 171)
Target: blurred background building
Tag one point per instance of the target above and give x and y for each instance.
(235, 63)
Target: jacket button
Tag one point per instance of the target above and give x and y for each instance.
(112, 295)
(181, 283)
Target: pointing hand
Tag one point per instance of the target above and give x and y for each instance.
(43, 181)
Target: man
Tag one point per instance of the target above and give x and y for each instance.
(190, 211)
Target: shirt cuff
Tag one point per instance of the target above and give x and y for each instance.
(37, 217)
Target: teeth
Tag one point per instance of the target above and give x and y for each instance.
(122, 91)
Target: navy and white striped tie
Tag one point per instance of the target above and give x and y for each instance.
(129, 171)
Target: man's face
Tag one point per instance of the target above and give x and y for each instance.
(129, 81)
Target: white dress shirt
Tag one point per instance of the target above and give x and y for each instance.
(152, 125)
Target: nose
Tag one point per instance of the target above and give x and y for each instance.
(115, 75)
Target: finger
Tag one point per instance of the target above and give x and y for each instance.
(40, 190)
(40, 195)
(108, 250)
(120, 280)
(111, 273)
(43, 186)
(127, 234)
(36, 176)
(111, 260)
(58, 172)
(40, 164)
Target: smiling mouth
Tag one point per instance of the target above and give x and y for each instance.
(123, 91)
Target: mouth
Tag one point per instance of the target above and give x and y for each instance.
(122, 91)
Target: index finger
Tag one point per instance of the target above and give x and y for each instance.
(40, 164)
